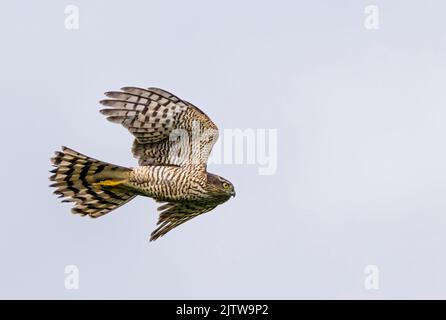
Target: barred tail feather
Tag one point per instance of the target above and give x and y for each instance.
(94, 186)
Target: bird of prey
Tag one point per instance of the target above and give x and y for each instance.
(173, 140)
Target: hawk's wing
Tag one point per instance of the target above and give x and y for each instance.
(174, 214)
(165, 127)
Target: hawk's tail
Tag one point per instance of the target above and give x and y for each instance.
(96, 187)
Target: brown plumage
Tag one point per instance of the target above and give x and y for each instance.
(173, 140)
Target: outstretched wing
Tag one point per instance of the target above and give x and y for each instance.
(165, 127)
(174, 214)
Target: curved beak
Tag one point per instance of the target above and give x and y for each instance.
(233, 194)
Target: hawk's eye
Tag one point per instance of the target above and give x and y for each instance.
(226, 185)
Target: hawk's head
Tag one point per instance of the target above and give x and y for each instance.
(219, 188)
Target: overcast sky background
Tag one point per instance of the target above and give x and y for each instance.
(361, 172)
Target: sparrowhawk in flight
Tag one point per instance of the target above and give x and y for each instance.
(173, 140)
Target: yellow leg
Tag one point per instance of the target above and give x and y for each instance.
(109, 183)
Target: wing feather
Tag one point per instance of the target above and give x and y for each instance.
(152, 115)
(174, 214)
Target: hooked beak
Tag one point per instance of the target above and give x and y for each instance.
(233, 194)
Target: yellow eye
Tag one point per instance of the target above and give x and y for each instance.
(226, 185)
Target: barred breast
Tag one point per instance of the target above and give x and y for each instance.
(166, 183)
